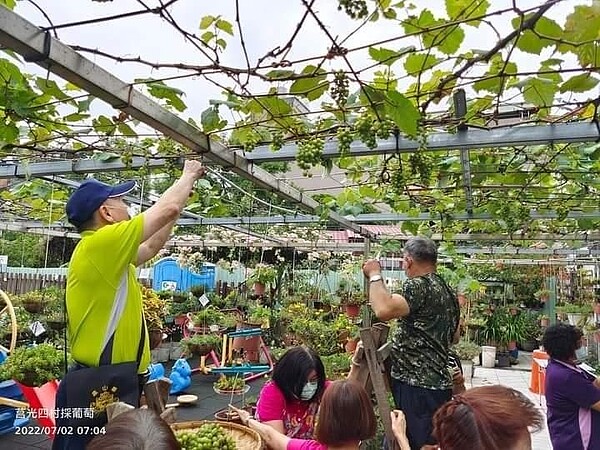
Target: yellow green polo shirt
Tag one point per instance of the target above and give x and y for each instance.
(101, 287)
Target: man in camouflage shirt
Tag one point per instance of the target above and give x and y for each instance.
(428, 318)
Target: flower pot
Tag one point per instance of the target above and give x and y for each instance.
(259, 288)
(574, 318)
(56, 325)
(176, 351)
(545, 322)
(512, 345)
(352, 310)
(156, 337)
(33, 307)
(161, 353)
(351, 345)
(503, 359)
(597, 308)
(529, 345)
(42, 398)
(462, 299)
(200, 350)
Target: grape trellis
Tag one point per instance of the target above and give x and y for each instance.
(455, 117)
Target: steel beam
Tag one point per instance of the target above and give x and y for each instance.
(75, 166)
(561, 133)
(40, 47)
(373, 218)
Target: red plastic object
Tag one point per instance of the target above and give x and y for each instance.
(40, 399)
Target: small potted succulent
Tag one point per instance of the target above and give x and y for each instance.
(230, 385)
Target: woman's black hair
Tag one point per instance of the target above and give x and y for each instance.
(561, 340)
(292, 370)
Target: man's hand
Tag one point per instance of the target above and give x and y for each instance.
(194, 169)
(399, 429)
(597, 382)
(371, 267)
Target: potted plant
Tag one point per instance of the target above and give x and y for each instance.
(229, 385)
(203, 320)
(155, 310)
(352, 304)
(542, 295)
(259, 316)
(34, 366)
(531, 332)
(201, 344)
(577, 315)
(32, 301)
(261, 275)
(56, 320)
(544, 321)
(466, 352)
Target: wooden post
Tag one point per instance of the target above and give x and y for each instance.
(372, 373)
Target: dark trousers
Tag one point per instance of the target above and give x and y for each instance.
(419, 405)
(74, 441)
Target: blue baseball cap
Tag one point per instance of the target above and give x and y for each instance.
(88, 197)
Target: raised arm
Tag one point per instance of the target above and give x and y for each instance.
(169, 206)
(385, 305)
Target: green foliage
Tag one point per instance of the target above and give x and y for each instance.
(466, 350)
(337, 366)
(34, 366)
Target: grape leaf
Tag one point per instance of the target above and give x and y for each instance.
(418, 62)
(311, 87)
(464, 9)
(531, 42)
(387, 56)
(539, 91)
(579, 83)
(225, 26)
(206, 22)
(403, 112)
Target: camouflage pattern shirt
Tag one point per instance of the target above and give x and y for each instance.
(420, 345)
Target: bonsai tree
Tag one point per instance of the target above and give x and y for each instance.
(34, 366)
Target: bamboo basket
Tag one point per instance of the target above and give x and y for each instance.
(244, 437)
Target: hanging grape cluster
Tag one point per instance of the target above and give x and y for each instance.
(310, 153)
(514, 215)
(344, 137)
(251, 142)
(356, 9)
(339, 88)
(369, 129)
(398, 181)
(276, 141)
(420, 166)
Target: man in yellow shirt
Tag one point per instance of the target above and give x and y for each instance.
(104, 301)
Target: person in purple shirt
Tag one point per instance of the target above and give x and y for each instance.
(572, 395)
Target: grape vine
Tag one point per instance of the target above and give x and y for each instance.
(356, 9)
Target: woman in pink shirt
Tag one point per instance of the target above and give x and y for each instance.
(289, 403)
(346, 418)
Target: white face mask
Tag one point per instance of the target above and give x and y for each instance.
(309, 390)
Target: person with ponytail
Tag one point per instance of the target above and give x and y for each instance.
(483, 418)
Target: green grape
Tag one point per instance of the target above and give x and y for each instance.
(344, 139)
(310, 153)
(276, 141)
(356, 9)
(339, 88)
(364, 130)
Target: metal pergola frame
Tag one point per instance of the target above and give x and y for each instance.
(38, 46)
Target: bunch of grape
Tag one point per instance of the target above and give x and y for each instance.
(398, 182)
(276, 141)
(420, 166)
(339, 88)
(364, 130)
(356, 9)
(344, 139)
(207, 437)
(310, 152)
(251, 142)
